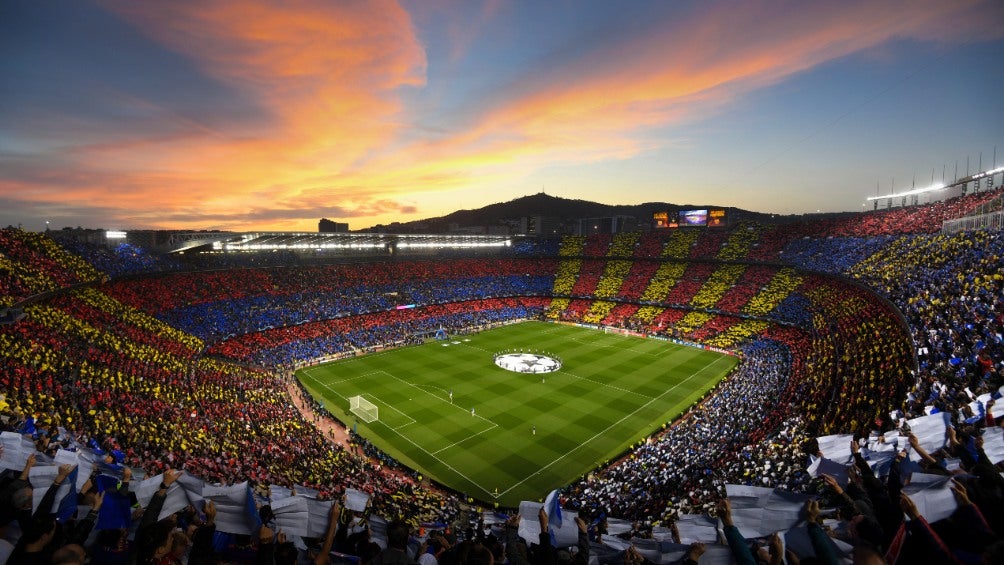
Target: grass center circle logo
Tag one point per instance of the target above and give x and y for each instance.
(524, 362)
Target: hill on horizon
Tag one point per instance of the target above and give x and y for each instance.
(565, 209)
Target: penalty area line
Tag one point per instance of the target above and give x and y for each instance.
(608, 428)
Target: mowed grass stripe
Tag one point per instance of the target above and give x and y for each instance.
(612, 391)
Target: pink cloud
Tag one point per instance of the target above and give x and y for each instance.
(330, 76)
(327, 72)
(604, 105)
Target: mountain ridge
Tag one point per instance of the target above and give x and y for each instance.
(565, 209)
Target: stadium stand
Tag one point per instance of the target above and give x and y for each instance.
(168, 371)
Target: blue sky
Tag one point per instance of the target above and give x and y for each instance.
(255, 115)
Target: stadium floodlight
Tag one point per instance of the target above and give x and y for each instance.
(114, 234)
(364, 409)
(911, 192)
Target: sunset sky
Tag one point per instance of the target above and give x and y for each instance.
(254, 115)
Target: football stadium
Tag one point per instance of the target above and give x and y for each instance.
(626, 284)
(643, 376)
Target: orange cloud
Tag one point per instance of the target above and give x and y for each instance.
(327, 73)
(330, 75)
(604, 105)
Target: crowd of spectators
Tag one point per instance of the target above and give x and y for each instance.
(69, 514)
(614, 273)
(296, 345)
(683, 468)
(950, 290)
(860, 349)
(925, 219)
(834, 369)
(85, 363)
(708, 244)
(32, 263)
(122, 259)
(217, 305)
(716, 285)
(597, 245)
(637, 279)
(588, 276)
(650, 244)
(741, 240)
(618, 316)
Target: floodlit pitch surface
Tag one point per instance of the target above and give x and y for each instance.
(611, 392)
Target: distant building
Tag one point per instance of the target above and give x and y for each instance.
(540, 226)
(609, 224)
(455, 228)
(327, 226)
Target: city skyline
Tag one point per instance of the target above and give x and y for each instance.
(247, 115)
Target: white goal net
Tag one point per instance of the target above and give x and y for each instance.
(366, 410)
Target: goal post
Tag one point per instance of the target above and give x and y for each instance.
(364, 409)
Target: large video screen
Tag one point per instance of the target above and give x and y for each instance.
(694, 217)
(716, 217)
(660, 220)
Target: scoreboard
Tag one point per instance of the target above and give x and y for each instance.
(716, 217)
(713, 217)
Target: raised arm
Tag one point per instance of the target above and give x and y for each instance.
(329, 538)
(737, 543)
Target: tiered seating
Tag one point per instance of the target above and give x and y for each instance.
(900, 254)
(869, 344)
(620, 315)
(597, 245)
(31, 263)
(663, 281)
(598, 310)
(831, 255)
(74, 269)
(679, 244)
(709, 243)
(572, 246)
(122, 259)
(646, 314)
(576, 309)
(927, 218)
(714, 325)
(732, 332)
(609, 284)
(613, 277)
(590, 272)
(690, 283)
(740, 241)
(567, 273)
(252, 300)
(624, 245)
(689, 323)
(649, 245)
(638, 279)
(289, 346)
(720, 281)
(555, 310)
(753, 278)
(780, 286)
(775, 238)
(137, 326)
(847, 352)
(663, 318)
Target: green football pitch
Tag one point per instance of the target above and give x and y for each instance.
(528, 433)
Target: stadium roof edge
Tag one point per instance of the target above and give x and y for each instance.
(266, 241)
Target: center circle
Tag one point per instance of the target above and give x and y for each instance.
(525, 362)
